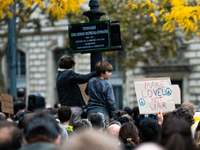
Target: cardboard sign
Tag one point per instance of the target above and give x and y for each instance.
(82, 88)
(176, 93)
(7, 103)
(154, 94)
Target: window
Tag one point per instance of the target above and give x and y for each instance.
(21, 64)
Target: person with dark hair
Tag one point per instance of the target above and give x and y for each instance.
(183, 112)
(21, 95)
(19, 105)
(135, 116)
(97, 120)
(123, 120)
(57, 105)
(128, 110)
(41, 132)
(64, 115)
(149, 130)
(100, 92)
(10, 136)
(128, 136)
(176, 134)
(69, 93)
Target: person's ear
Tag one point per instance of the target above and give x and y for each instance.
(103, 125)
(70, 117)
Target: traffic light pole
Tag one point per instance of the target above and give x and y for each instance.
(94, 15)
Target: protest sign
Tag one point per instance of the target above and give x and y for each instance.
(154, 94)
(7, 103)
(176, 93)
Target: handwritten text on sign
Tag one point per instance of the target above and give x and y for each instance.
(154, 94)
(7, 103)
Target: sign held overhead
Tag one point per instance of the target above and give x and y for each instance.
(154, 94)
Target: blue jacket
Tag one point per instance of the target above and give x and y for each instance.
(69, 93)
(101, 97)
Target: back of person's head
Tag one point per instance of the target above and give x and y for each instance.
(189, 105)
(21, 92)
(129, 117)
(82, 124)
(123, 120)
(97, 120)
(149, 130)
(135, 111)
(10, 136)
(41, 127)
(66, 62)
(57, 105)
(102, 67)
(64, 114)
(19, 105)
(185, 113)
(128, 110)
(176, 135)
(113, 131)
(149, 146)
(3, 117)
(115, 122)
(119, 113)
(128, 134)
(89, 140)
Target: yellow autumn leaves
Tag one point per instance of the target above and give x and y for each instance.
(182, 13)
(58, 8)
(4, 7)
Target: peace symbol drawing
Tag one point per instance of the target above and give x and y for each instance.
(168, 91)
(142, 102)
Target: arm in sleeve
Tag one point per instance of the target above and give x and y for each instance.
(111, 101)
(80, 78)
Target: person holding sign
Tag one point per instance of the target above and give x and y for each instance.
(100, 92)
(69, 93)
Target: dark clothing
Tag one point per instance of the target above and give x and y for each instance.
(101, 97)
(69, 93)
(127, 147)
(39, 146)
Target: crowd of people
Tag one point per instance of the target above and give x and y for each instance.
(73, 124)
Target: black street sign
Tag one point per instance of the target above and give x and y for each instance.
(89, 37)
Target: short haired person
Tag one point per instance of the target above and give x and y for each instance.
(67, 81)
(100, 92)
(97, 120)
(41, 131)
(149, 130)
(64, 115)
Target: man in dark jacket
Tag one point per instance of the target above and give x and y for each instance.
(69, 93)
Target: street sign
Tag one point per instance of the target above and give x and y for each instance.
(89, 37)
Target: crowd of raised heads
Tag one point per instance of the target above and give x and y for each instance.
(49, 129)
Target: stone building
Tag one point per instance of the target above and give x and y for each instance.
(37, 61)
(183, 70)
